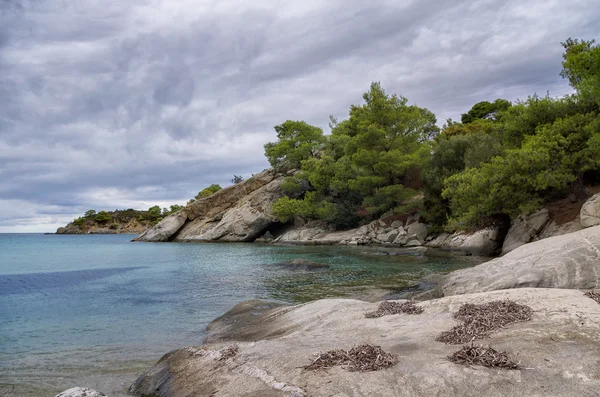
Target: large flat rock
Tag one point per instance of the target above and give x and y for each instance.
(568, 261)
(559, 351)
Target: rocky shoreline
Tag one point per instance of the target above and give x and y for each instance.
(262, 349)
(243, 213)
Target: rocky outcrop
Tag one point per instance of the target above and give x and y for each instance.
(240, 212)
(534, 227)
(525, 229)
(484, 242)
(133, 226)
(264, 355)
(80, 392)
(590, 212)
(568, 261)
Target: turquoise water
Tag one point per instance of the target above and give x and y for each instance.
(96, 310)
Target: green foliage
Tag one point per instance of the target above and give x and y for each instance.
(207, 191)
(89, 213)
(286, 208)
(79, 221)
(485, 110)
(369, 164)
(175, 208)
(154, 211)
(102, 217)
(296, 141)
(546, 164)
(581, 66)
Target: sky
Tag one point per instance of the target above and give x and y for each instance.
(108, 104)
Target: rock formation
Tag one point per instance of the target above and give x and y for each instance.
(558, 351)
(240, 212)
(590, 212)
(568, 261)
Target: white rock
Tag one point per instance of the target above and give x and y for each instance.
(80, 392)
(568, 261)
(590, 212)
(525, 229)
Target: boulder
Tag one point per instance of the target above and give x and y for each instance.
(558, 351)
(525, 229)
(568, 261)
(484, 242)
(80, 392)
(415, 234)
(388, 237)
(590, 212)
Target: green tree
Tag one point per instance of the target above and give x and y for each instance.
(581, 66)
(175, 208)
(207, 191)
(485, 110)
(296, 141)
(102, 217)
(89, 213)
(370, 164)
(154, 212)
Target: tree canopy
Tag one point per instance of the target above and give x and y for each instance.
(500, 161)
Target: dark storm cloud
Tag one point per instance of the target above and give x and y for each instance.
(112, 104)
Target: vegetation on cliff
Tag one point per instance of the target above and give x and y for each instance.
(502, 160)
(119, 221)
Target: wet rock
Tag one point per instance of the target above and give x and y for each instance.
(304, 263)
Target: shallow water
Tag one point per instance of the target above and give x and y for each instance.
(96, 310)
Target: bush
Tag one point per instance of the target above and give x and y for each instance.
(102, 217)
(207, 191)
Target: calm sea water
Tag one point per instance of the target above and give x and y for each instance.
(97, 310)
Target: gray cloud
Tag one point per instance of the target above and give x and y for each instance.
(111, 104)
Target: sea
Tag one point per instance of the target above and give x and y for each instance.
(98, 310)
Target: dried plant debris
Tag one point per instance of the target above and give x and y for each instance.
(361, 358)
(595, 296)
(388, 307)
(228, 352)
(486, 356)
(478, 321)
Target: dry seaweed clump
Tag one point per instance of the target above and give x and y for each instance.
(388, 307)
(228, 352)
(486, 356)
(361, 358)
(478, 321)
(595, 296)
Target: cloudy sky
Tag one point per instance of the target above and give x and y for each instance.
(109, 104)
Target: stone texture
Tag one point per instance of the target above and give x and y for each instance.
(525, 229)
(559, 349)
(80, 392)
(239, 212)
(568, 261)
(590, 212)
(166, 228)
